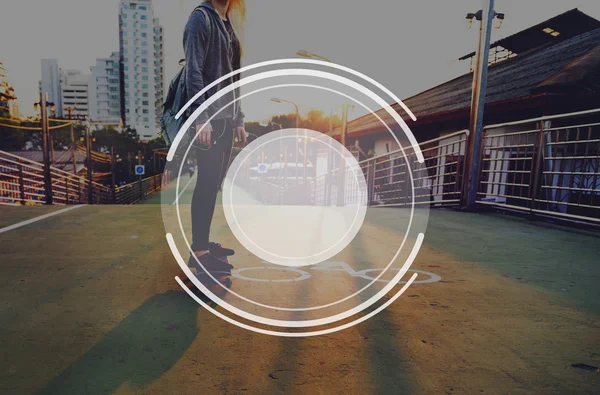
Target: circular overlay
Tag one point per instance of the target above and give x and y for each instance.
(331, 235)
(295, 197)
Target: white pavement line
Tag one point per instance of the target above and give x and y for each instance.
(30, 221)
(183, 190)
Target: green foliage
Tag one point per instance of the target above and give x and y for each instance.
(158, 142)
(315, 120)
(124, 141)
(11, 139)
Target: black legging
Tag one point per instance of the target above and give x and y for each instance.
(212, 167)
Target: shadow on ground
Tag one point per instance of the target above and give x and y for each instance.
(560, 260)
(367, 358)
(381, 335)
(139, 349)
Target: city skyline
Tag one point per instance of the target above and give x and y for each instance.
(125, 88)
(105, 90)
(142, 67)
(427, 64)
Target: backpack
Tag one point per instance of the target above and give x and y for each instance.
(174, 102)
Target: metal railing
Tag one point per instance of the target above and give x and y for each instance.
(136, 191)
(22, 183)
(547, 166)
(437, 181)
(392, 179)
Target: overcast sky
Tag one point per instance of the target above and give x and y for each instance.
(408, 46)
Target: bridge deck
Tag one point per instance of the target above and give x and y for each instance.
(90, 305)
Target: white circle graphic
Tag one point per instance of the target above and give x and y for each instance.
(283, 204)
(362, 89)
(245, 81)
(302, 274)
(301, 259)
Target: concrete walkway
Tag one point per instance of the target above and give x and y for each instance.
(90, 306)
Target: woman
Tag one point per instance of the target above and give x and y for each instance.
(213, 49)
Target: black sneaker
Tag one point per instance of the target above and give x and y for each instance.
(217, 250)
(210, 263)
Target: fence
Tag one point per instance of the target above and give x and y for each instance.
(136, 191)
(548, 166)
(437, 181)
(545, 166)
(22, 183)
(398, 179)
(393, 179)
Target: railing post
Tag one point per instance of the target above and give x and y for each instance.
(46, 147)
(140, 177)
(113, 186)
(67, 189)
(90, 175)
(464, 163)
(537, 168)
(73, 150)
(341, 187)
(21, 183)
(154, 162)
(410, 190)
(370, 182)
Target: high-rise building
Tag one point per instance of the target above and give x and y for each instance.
(50, 82)
(105, 90)
(159, 72)
(142, 62)
(14, 109)
(8, 100)
(74, 94)
(66, 89)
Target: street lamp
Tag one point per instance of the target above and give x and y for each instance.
(305, 54)
(49, 105)
(70, 110)
(345, 107)
(278, 100)
(43, 104)
(271, 124)
(344, 127)
(473, 152)
(498, 18)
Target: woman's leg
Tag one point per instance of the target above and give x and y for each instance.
(212, 164)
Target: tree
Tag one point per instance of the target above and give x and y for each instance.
(61, 137)
(124, 141)
(11, 139)
(315, 120)
(255, 130)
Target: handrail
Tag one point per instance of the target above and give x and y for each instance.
(66, 188)
(62, 173)
(464, 131)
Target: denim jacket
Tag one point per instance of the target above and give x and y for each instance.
(207, 44)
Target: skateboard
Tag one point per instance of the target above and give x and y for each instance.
(219, 287)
